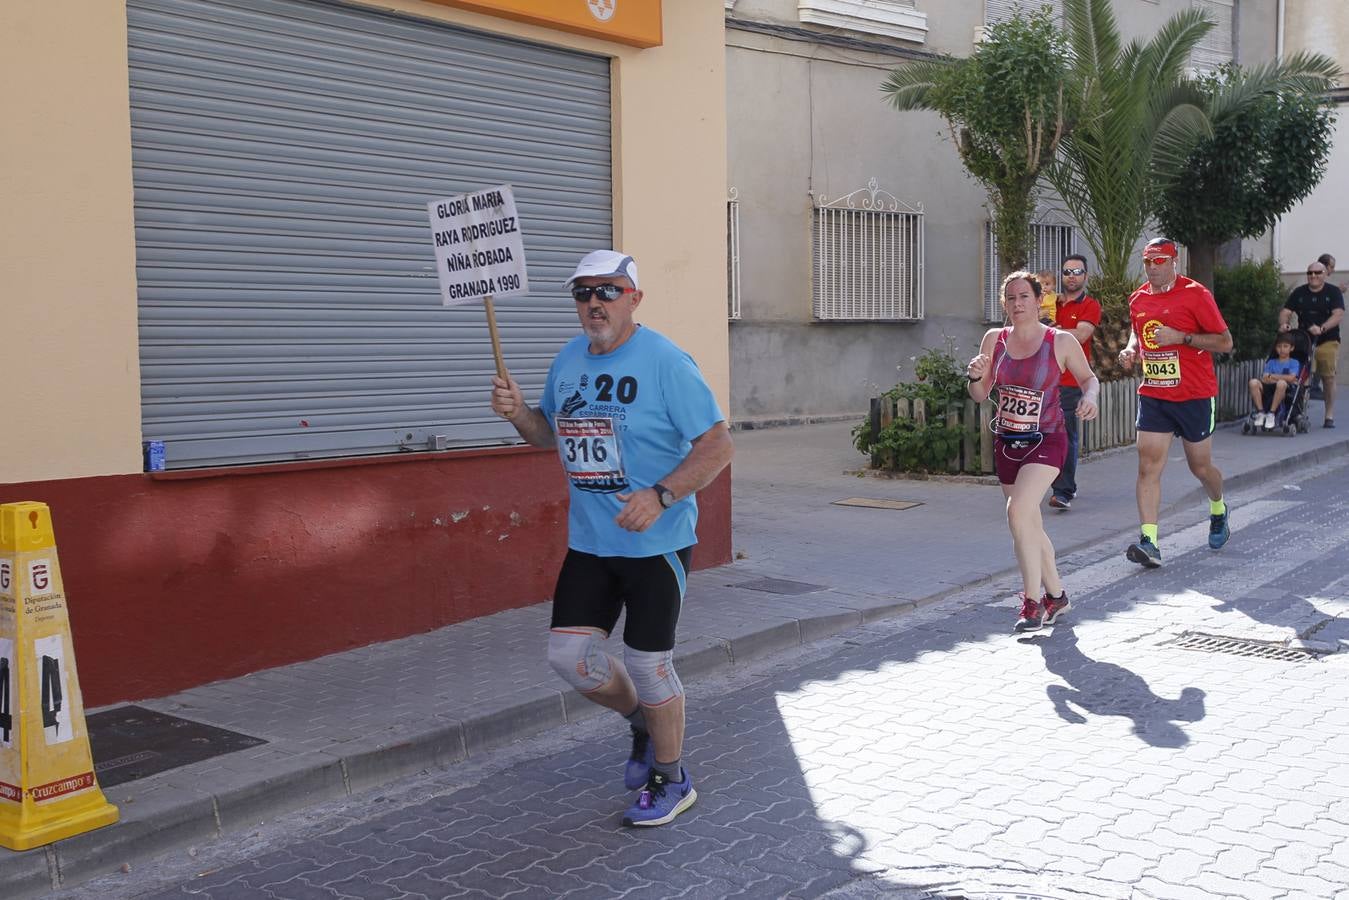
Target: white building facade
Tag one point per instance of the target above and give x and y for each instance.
(857, 239)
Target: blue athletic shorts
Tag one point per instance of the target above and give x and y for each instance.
(1190, 420)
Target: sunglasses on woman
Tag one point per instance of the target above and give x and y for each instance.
(606, 292)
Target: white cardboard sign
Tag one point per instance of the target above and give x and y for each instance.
(480, 250)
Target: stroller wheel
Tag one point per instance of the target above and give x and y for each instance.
(1245, 427)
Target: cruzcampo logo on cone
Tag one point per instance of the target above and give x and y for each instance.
(47, 786)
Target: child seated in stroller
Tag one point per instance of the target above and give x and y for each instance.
(1269, 390)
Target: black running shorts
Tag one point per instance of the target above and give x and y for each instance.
(593, 590)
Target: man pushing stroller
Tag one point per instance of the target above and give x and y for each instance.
(1319, 307)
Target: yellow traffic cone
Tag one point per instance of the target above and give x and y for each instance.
(47, 786)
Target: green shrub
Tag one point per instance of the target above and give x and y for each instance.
(940, 383)
(1250, 295)
(940, 378)
(916, 448)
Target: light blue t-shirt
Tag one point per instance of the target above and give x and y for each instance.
(1288, 366)
(623, 421)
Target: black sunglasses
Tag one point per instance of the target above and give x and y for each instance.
(1077, 270)
(1316, 271)
(606, 292)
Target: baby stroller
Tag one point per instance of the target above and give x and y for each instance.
(1291, 416)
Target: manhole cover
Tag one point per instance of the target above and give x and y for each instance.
(132, 742)
(1212, 643)
(878, 503)
(779, 586)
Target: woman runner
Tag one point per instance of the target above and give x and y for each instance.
(1023, 364)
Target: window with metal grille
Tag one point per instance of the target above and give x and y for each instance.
(733, 254)
(1002, 10)
(1214, 48)
(1050, 242)
(868, 258)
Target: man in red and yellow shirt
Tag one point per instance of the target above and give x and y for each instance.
(1080, 314)
(1176, 327)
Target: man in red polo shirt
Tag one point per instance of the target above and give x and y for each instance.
(1176, 327)
(1080, 314)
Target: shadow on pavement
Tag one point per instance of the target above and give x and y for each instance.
(854, 743)
(1282, 609)
(883, 762)
(1106, 689)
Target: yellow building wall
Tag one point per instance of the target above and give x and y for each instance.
(71, 405)
(670, 183)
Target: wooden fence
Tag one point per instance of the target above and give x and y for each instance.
(1114, 427)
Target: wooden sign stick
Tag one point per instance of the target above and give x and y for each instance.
(496, 339)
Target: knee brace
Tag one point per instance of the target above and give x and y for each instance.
(577, 657)
(653, 675)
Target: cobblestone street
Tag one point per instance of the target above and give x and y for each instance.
(933, 755)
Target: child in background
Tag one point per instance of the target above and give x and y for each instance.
(1049, 301)
(1269, 389)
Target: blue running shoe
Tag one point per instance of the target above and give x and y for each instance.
(1218, 532)
(1145, 553)
(661, 800)
(638, 767)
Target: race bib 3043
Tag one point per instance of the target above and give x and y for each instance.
(1161, 368)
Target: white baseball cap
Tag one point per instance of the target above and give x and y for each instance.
(605, 264)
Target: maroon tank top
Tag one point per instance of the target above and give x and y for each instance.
(1028, 389)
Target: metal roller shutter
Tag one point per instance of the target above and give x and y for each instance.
(284, 152)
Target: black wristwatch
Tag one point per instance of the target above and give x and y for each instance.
(667, 497)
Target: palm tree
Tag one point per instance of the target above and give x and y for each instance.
(1137, 110)
(1140, 116)
(1007, 110)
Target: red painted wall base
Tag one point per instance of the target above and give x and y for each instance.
(181, 578)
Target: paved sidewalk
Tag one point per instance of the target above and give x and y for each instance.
(806, 569)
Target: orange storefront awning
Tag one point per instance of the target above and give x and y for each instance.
(634, 22)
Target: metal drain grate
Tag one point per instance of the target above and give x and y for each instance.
(131, 742)
(779, 586)
(878, 503)
(1212, 643)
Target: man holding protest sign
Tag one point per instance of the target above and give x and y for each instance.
(639, 432)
